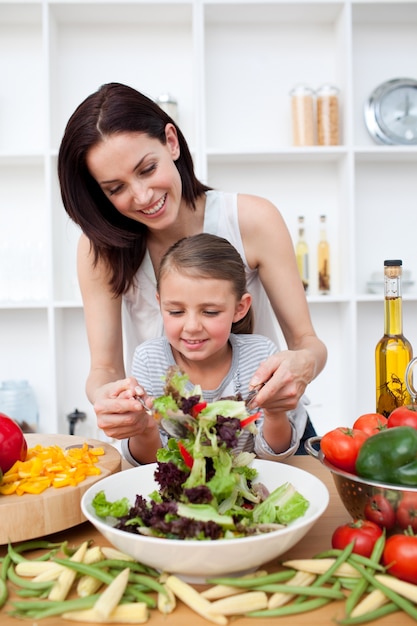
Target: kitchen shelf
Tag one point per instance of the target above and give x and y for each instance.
(231, 65)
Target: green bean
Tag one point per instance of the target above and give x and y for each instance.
(87, 570)
(47, 608)
(31, 593)
(3, 592)
(15, 556)
(253, 581)
(140, 596)
(37, 544)
(148, 582)
(386, 609)
(358, 558)
(401, 602)
(292, 609)
(27, 584)
(121, 564)
(362, 583)
(4, 567)
(324, 592)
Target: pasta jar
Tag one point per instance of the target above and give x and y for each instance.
(328, 116)
(302, 109)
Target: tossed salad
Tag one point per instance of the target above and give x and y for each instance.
(206, 490)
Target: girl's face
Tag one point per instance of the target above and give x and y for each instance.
(138, 175)
(198, 314)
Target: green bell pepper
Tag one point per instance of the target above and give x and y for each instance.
(390, 456)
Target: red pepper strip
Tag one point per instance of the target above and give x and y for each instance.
(250, 419)
(197, 408)
(186, 456)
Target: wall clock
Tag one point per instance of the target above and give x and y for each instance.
(391, 112)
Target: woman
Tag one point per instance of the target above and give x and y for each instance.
(127, 180)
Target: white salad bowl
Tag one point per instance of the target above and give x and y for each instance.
(198, 560)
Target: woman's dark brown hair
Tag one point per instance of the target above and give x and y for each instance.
(209, 256)
(120, 241)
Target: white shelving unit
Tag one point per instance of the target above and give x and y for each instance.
(231, 65)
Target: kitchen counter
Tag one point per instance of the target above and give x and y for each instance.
(317, 540)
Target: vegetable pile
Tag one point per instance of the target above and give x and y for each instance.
(206, 489)
(91, 583)
(377, 448)
(50, 466)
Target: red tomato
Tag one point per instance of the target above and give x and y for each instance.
(400, 557)
(13, 446)
(363, 533)
(403, 416)
(379, 510)
(341, 447)
(407, 511)
(371, 423)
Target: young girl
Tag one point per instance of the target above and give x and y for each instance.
(127, 179)
(208, 321)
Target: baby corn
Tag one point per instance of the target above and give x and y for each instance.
(194, 600)
(300, 579)
(241, 603)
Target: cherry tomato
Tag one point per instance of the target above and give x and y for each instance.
(371, 423)
(13, 446)
(379, 510)
(400, 557)
(403, 416)
(341, 447)
(407, 511)
(363, 533)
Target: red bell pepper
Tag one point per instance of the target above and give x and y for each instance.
(250, 419)
(197, 408)
(186, 456)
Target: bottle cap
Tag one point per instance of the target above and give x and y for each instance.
(393, 263)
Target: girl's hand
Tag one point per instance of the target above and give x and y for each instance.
(286, 376)
(119, 414)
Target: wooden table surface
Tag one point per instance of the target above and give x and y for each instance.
(317, 540)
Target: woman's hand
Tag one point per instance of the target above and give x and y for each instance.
(286, 375)
(119, 414)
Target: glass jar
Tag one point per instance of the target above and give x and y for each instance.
(18, 401)
(328, 115)
(168, 104)
(302, 109)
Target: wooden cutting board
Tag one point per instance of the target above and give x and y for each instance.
(30, 516)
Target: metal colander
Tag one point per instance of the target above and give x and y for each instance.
(356, 492)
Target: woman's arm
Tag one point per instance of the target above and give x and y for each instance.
(269, 248)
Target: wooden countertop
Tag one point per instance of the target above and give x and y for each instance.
(317, 540)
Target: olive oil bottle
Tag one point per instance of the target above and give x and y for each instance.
(323, 259)
(393, 351)
(301, 253)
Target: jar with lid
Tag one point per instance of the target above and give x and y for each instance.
(302, 110)
(168, 103)
(328, 115)
(18, 401)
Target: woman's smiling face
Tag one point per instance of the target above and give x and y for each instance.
(139, 176)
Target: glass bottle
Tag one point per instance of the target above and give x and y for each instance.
(18, 401)
(323, 259)
(393, 351)
(301, 253)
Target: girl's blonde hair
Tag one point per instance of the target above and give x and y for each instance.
(210, 256)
